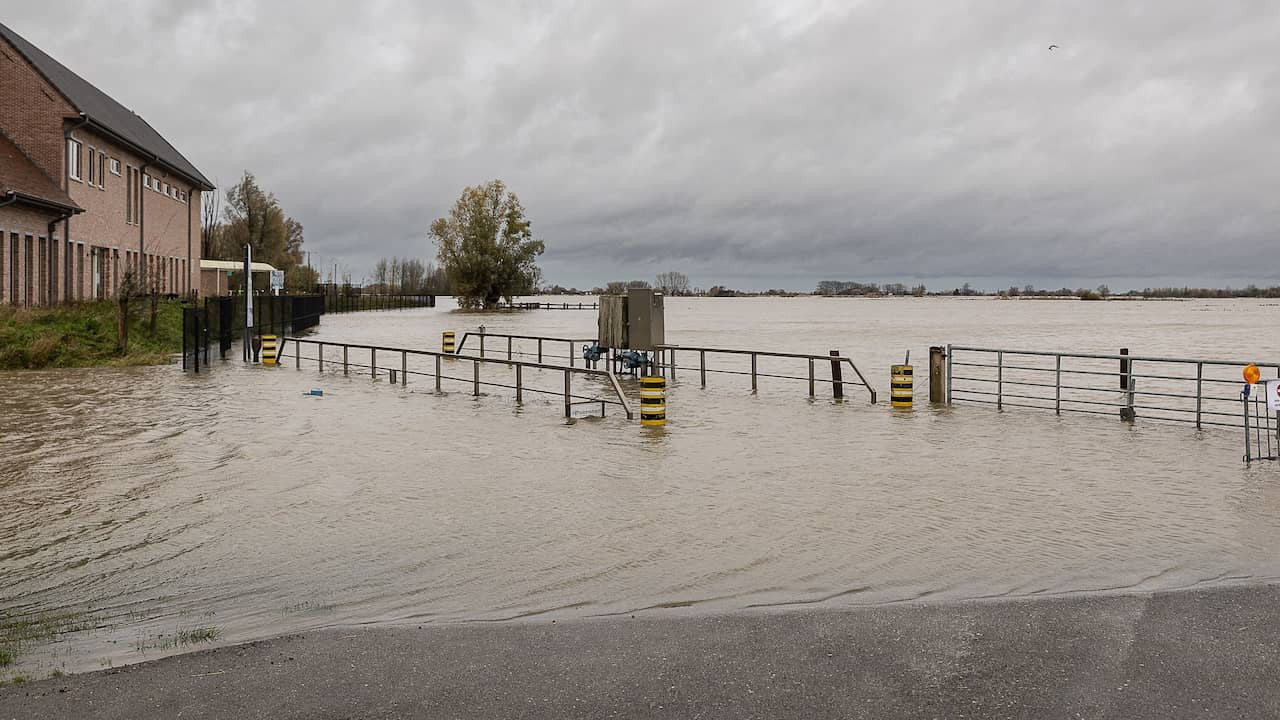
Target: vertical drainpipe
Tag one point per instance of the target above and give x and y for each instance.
(189, 286)
(66, 185)
(142, 227)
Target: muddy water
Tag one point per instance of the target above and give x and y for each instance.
(142, 510)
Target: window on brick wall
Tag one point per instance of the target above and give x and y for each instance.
(73, 159)
(92, 164)
(115, 166)
(102, 171)
(146, 181)
(128, 196)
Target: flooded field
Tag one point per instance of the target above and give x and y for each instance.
(145, 511)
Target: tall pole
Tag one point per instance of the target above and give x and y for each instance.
(248, 300)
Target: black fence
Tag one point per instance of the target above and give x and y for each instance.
(195, 337)
(341, 303)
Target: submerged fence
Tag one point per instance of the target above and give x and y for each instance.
(343, 303)
(758, 364)
(517, 375)
(1195, 391)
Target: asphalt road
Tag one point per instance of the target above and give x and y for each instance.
(1209, 653)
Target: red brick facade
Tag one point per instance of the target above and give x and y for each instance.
(135, 209)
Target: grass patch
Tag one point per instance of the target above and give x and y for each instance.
(6, 657)
(16, 633)
(180, 637)
(84, 335)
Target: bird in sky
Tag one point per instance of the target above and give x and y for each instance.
(1053, 47)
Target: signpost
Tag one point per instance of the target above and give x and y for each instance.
(248, 300)
(277, 281)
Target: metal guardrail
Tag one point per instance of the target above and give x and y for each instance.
(667, 361)
(403, 372)
(511, 352)
(549, 306)
(1191, 390)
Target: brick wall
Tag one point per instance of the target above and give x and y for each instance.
(110, 230)
(25, 261)
(32, 111)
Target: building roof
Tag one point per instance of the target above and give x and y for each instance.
(104, 113)
(21, 178)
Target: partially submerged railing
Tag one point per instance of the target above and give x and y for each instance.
(1261, 430)
(1190, 390)
(574, 345)
(668, 359)
(342, 357)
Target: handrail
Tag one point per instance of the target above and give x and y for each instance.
(767, 353)
(1105, 356)
(518, 364)
(540, 338)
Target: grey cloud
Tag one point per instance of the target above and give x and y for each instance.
(761, 143)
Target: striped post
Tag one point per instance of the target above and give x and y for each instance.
(653, 401)
(901, 386)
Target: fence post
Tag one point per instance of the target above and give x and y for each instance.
(345, 366)
(1127, 413)
(297, 355)
(481, 343)
(810, 377)
(837, 376)
(319, 357)
(519, 383)
(1057, 385)
(948, 373)
(568, 403)
(475, 377)
(702, 367)
(1124, 370)
(373, 363)
(753, 372)
(508, 347)
(404, 369)
(437, 373)
(572, 359)
(539, 351)
(1199, 380)
(936, 361)
(672, 351)
(1000, 380)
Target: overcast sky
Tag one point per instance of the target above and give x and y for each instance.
(767, 144)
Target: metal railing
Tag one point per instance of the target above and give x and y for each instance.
(1191, 390)
(402, 373)
(667, 360)
(1261, 430)
(549, 306)
(573, 345)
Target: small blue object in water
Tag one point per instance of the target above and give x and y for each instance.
(315, 391)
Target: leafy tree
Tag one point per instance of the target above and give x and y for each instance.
(487, 248)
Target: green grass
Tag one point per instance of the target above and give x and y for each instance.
(6, 657)
(84, 335)
(16, 633)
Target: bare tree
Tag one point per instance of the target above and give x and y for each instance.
(210, 223)
(673, 283)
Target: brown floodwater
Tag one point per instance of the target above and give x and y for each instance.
(142, 508)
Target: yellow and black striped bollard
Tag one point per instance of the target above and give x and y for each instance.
(446, 342)
(268, 349)
(900, 387)
(653, 401)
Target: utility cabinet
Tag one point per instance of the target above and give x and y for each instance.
(633, 321)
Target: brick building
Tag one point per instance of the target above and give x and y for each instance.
(88, 189)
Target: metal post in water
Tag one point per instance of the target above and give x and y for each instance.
(373, 363)
(999, 380)
(753, 372)
(508, 347)
(948, 373)
(437, 373)
(1199, 397)
(475, 377)
(297, 356)
(1057, 385)
(1124, 370)
(344, 360)
(571, 358)
(837, 376)
(811, 394)
(519, 383)
(319, 357)
(702, 368)
(568, 403)
(539, 350)
(404, 368)
(936, 362)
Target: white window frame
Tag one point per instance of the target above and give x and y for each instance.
(114, 165)
(146, 181)
(74, 149)
(93, 164)
(102, 170)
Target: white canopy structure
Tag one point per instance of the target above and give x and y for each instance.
(220, 268)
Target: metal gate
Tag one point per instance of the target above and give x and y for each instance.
(1261, 422)
(195, 337)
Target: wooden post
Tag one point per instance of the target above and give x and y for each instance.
(937, 359)
(837, 376)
